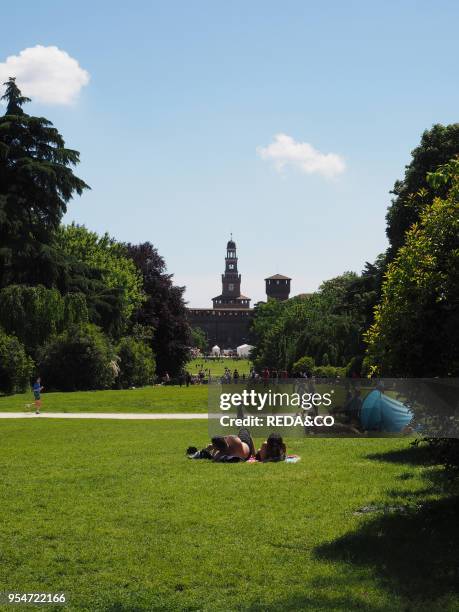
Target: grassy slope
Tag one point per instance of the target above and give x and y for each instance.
(116, 516)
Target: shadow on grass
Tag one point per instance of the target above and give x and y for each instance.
(415, 555)
(296, 602)
(412, 554)
(411, 455)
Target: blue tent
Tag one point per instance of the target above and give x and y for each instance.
(382, 413)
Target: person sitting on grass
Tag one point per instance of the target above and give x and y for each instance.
(273, 449)
(226, 449)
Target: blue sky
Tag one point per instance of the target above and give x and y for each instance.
(181, 95)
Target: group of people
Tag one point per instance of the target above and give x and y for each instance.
(233, 449)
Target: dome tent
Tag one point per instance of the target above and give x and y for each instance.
(383, 413)
(244, 350)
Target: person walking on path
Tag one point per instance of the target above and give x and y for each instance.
(37, 389)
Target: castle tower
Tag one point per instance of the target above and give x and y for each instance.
(278, 287)
(231, 296)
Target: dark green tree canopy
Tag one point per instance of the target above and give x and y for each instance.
(36, 183)
(164, 309)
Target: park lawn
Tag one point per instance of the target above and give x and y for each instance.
(156, 398)
(113, 514)
(217, 366)
(145, 399)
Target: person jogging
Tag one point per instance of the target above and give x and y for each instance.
(37, 389)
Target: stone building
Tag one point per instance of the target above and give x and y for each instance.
(227, 323)
(278, 287)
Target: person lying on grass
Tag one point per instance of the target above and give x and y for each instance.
(231, 449)
(272, 449)
(226, 449)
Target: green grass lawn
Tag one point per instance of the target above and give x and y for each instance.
(146, 399)
(115, 515)
(217, 367)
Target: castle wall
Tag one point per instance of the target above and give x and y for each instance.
(228, 328)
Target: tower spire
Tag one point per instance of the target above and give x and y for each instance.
(231, 296)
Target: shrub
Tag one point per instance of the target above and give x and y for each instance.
(354, 367)
(81, 358)
(329, 372)
(15, 365)
(136, 363)
(305, 364)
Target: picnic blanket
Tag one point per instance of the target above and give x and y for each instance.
(288, 459)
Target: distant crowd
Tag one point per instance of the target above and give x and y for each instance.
(202, 374)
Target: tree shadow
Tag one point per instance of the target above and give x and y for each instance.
(411, 455)
(413, 552)
(329, 603)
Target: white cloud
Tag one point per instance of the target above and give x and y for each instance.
(45, 74)
(284, 151)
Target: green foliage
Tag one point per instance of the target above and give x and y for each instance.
(34, 314)
(321, 326)
(416, 329)
(81, 358)
(136, 363)
(354, 367)
(15, 365)
(103, 253)
(414, 193)
(304, 364)
(198, 339)
(328, 371)
(36, 183)
(163, 310)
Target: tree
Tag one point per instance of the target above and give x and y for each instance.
(36, 184)
(136, 363)
(319, 326)
(34, 314)
(304, 364)
(164, 310)
(15, 365)
(119, 293)
(79, 359)
(414, 193)
(198, 339)
(416, 328)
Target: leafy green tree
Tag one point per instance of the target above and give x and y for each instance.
(121, 281)
(414, 193)
(34, 314)
(136, 363)
(79, 359)
(304, 364)
(416, 328)
(15, 365)
(163, 310)
(36, 184)
(266, 316)
(318, 325)
(198, 339)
